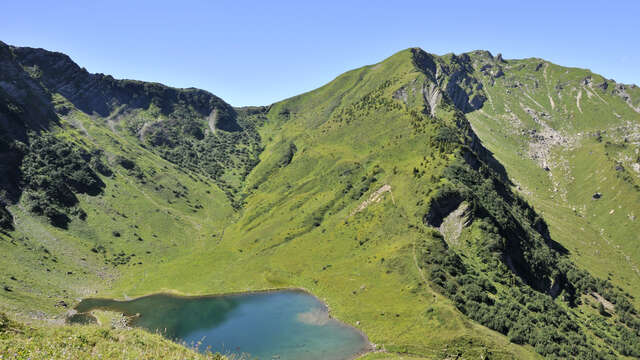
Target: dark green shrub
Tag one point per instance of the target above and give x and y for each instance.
(53, 171)
(125, 163)
(6, 220)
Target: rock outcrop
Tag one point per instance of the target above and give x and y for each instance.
(102, 94)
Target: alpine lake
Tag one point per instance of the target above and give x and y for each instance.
(286, 324)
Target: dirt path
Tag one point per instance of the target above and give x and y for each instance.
(534, 101)
(546, 84)
(595, 92)
(578, 100)
(415, 262)
(484, 84)
(544, 73)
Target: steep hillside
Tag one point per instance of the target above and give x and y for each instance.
(84, 199)
(373, 192)
(570, 140)
(354, 182)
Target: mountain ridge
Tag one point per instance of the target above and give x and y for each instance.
(292, 176)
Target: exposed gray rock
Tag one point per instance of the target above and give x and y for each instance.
(432, 96)
(455, 80)
(460, 89)
(102, 94)
(621, 91)
(401, 94)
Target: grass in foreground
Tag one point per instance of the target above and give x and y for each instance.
(20, 341)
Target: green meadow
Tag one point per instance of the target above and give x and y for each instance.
(332, 191)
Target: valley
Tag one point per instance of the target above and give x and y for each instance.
(412, 196)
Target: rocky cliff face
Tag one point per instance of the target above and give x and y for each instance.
(24, 106)
(24, 103)
(102, 94)
(453, 74)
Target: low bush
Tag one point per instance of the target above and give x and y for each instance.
(53, 172)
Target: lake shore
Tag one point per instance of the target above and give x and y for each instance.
(370, 347)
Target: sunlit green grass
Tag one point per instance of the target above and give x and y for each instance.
(298, 227)
(18, 341)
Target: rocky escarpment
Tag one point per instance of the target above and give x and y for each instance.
(623, 92)
(463, 89)
(24, 106)
(453, 76)
(102, 94)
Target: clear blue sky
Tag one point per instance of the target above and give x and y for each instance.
(258, 52)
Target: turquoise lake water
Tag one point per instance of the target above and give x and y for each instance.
(287, 325)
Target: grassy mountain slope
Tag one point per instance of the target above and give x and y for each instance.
(340, 204)
(65, 243)
(373, 192)
(69, 242)
(297, 229)
(565, 134)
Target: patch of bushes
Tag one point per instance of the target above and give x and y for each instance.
(99, 249)
(132, 168)
(97, 164)
(288, 154)
(368, 105)
(5, 323)
(181, 140)
(6, 220)
(524, 315)
(53, 172)
(119, 259)
(365, 183)
(125, 163)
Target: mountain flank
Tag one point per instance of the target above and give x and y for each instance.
(407, 194)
